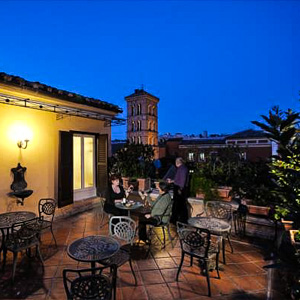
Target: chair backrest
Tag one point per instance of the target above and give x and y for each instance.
(47, 208)
(166, 215)
(194, 238)
(219, 210)
(89, 283)
(25, 231)
(123, 228)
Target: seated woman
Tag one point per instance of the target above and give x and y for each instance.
(160, 207)
(115, 193)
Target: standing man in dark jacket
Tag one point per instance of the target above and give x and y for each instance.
(180, 211)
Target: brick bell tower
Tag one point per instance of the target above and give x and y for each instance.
(142, 126)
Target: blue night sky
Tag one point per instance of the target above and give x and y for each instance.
(215, 65)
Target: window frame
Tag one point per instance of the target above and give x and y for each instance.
(85, 192)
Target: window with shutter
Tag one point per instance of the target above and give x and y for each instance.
(102, 172)
(65, 169)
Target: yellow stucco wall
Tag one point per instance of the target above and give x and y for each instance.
(41, 156)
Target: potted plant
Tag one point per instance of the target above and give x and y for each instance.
(203, 187)
(135, 163)
(253, 184)
(281, 127)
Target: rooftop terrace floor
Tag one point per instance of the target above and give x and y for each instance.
(243, 277)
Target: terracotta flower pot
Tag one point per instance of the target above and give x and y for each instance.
(224, 193)
(125, 182)
(258, 210)
(144, 184)
(288, 225)
(200, 195)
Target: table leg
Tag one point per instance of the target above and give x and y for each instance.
(223, 250)
(3, 242)
(93, 266)
(128, 213)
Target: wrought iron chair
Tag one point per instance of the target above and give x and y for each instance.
(90, 283)
(23, 236)
(223, 211)
(124, 229)
(196, 242)
(164, 225)
(239, 220)
(47, 208)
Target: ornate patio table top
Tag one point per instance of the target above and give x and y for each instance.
(9, 218)
(214, 225)
(93, 248)
(134, 205)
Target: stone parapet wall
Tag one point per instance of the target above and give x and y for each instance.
(77, 207)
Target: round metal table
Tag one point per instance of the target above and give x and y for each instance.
(93, 248)
(214, 225)
(134, 205)
(9, 218)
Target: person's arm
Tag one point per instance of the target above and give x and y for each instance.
(128, 191)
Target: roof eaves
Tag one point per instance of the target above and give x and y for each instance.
(58, 93)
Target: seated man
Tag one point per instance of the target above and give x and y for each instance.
(160, 209)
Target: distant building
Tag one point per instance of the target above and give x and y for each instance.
(254, 145)
(142, 120)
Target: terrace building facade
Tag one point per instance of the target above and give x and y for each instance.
(67, 139)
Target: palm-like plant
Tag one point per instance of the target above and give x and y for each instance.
(281, 127)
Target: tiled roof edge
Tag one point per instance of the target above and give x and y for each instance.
(58, 93)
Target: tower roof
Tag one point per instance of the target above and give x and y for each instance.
(141, 92)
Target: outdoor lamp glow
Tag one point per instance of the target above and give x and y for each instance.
(21, 134)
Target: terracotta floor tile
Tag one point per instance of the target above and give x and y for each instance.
(241, 247)
(233, 270)
(234, 258)
(175, 252)
(225, 286)
(50, 271)
(125, 278)
(251, 269)
(158, 292)
(254, 256)
(247, 283)
(152, 277)
(134, 293)
(182, 290)
(160, 253)
(165, 263)
(59, 272)
(148, 264)
(169, 275)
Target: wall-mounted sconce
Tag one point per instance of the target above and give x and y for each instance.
(21, 134)
(22, 144)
